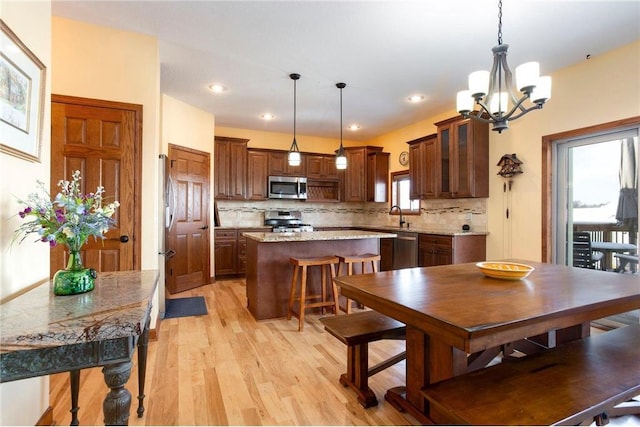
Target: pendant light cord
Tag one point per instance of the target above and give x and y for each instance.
(341, 117)
(500, 22)
(294, 110)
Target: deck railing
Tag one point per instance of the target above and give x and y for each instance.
(608, 232)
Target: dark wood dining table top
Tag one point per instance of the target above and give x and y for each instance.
(458, 305)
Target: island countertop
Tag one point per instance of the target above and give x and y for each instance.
(269, 237)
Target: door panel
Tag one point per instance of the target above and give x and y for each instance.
(102, 140)
(189, 268)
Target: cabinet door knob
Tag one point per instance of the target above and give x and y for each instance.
(124, 238)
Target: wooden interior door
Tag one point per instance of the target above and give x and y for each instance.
(189, 238)
(102, 140)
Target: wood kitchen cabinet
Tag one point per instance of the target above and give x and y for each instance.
(230, 249)
(279, 164)
(257, 172)
(438, 249)
(226, 252)
(321, 167)
(366, 178)
(230, 172)
(422, 170)
(462, 158)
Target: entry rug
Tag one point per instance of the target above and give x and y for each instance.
(184, 307)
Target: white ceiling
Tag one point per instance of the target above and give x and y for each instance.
(383, 50)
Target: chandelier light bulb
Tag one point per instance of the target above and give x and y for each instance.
(479, 83)
(464, 101)
(542, 92)
(527, 76)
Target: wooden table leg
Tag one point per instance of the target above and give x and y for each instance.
(143, 345)
(117, 403)
(428, 360)
(74, 380)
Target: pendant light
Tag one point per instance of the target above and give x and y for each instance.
(294, 158)
(341, 158)
(494, 92)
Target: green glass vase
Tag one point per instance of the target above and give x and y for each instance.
(75, 279)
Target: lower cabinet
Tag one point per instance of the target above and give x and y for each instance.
(230, 252)
(226, 252)
(437, 249)
(386, 254)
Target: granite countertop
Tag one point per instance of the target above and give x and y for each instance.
(310, 236)
(423, 230)
(117, 307)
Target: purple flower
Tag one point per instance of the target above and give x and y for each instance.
(59, 216)
(25, 212)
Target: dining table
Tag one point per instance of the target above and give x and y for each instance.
(609, 248)
(458, 319)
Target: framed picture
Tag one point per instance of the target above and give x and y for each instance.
(22, 97)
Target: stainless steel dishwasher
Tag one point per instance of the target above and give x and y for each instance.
(405, 250)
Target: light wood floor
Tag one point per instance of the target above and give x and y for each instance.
(227, 369)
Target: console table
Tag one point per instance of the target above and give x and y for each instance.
(44, 334)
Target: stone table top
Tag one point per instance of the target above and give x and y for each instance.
(117, 307)
(269, 237)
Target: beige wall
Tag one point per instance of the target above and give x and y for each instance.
(282, 141)
(18, 271)
(602, 89)
(102, 63)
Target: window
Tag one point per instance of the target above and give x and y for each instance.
(400, 191)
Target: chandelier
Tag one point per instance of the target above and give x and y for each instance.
(341, 158)
(294, 158)
(494, 92)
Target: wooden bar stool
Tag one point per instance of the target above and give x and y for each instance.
(325, 263)
(363, 260)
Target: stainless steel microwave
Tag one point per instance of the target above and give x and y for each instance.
(287, 187)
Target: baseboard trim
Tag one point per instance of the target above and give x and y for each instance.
(47, 418)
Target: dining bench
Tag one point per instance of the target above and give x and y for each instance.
(357, 330)
(573, 383)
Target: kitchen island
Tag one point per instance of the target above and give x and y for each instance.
(269, 271)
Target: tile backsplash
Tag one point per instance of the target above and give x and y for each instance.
(445, 215)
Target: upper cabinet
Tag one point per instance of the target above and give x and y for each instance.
(367, 174)
(257, 172)
(463, 153)
(422, 171)
(279, 165)
(321, 166)
(230, 172)
(454, 163)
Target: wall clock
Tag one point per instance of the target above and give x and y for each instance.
(404, 158)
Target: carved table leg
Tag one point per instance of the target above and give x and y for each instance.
(74, 379)
(117, 403)
(143, 344)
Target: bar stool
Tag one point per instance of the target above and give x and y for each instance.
(363, 260)
(325, 263)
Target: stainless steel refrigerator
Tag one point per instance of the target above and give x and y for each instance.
(166, 221)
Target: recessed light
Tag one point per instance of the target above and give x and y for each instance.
(267, 116)
(416, 98)
(216, 88)
(353, 127)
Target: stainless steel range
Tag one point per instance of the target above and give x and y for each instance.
(286, 221)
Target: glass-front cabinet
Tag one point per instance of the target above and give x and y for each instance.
(463, 153)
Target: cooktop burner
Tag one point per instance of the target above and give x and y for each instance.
(292, 228)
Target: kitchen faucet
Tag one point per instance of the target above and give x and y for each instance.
(402, 221)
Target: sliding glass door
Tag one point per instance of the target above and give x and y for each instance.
(588, 175)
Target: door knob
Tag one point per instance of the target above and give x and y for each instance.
(124, 238)
(204, 227)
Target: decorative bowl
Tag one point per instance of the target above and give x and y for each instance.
(505, 270)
